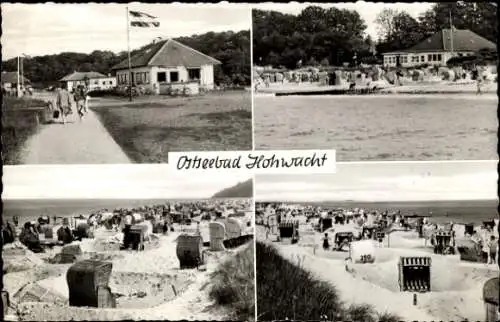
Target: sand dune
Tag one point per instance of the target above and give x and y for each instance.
(456, 286)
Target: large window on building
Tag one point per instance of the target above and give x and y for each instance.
(162, 77)
(439, 57)
(194, 74)
(174, 77)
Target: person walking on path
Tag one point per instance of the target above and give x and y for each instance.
(80, 100)
(63, 102)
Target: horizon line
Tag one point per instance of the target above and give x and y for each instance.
(382, 201)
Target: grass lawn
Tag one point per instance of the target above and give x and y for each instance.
(287, 291)
(150, 127)
(18, 125)
(234, 285)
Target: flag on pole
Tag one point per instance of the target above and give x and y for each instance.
(143, 20)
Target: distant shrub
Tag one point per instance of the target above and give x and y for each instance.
(102, 92)
(18, 125)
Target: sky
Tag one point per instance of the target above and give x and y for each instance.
(367, 10)
(44, 29)
(394, 181)
(112, 182)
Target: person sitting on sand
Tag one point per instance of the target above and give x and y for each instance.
(64, 233)
(326, 244)
(493, 246)
(8, 232)
(30, 239)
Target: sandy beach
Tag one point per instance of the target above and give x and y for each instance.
(148, 285)
(456, 286)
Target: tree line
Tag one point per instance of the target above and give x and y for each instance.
(231, 48)
(331, 36)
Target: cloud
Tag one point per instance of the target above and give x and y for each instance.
(42, 29)
(377, 182)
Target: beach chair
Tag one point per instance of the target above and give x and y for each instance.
(362, 251)
(470, 252)
(289, 229)
(379, 236)
(490, 298)
(369, 232)
(88, 284)
(414, 274)
(5, 302)
(190, 251)
(443, 244)
(82, 231)
(342, 239)
(325, 223)
(137, 234)
(217, 235)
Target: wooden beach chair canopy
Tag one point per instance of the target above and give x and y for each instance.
(491, 290)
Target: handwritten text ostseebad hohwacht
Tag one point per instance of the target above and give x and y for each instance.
(286, 161)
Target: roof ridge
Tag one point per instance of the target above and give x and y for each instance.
(199, 52)
(157, 52)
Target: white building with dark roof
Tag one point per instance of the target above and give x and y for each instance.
(439, 48)
(94, 80)
(168, 62)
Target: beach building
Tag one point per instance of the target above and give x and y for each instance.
(168, 63)
(439, 48)
(93, 80)
(9, 81)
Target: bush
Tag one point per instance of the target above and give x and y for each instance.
(102, 93)
(287, 291)
(18, 126)
(233, 285)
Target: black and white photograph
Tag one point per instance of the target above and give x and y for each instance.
(104, 243)
(385, 241)
(377, 81)
(97, 83)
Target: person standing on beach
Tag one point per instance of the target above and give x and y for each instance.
(63, 103)
(493, 246)
(326, 243)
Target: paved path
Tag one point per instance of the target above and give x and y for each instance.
(76, 142)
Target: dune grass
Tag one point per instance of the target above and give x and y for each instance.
(148, 130)
(234, 285)
(287, 291)
(18, 125)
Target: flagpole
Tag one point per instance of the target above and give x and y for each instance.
(451, 35)
(17, 85)
(128, 51)
(22, 72)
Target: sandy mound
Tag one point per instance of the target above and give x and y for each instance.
(133, 290)
(141, 290)
(14, 281)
